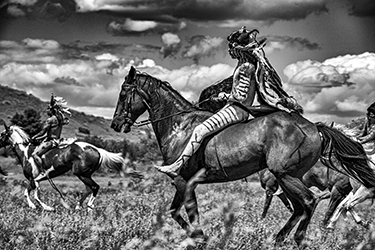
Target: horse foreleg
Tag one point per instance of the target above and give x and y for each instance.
(178, 201)
(27, 194)
(191, 204)
(267, 203)
(44, 206)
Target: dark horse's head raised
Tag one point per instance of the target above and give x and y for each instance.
(130, 104)
(285, 143)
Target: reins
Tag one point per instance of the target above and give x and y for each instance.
(142, 94)
(149, 121)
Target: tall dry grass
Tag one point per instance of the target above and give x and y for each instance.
(134, 215)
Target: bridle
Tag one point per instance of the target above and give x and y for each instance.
(135, 89)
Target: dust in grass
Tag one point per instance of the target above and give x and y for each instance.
(135, 215)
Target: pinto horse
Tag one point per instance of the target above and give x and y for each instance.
(80, 157)
(285, 143)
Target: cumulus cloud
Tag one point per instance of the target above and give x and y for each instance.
(203, 46)
(94, 81)
(277, 43)
(343, 86)
(29, 50)
(139, 27)
(171, 44)
(42, 9)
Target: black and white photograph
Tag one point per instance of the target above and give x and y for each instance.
(196, 124)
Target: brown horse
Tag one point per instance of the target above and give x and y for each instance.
(331, 184)
(285, 143)
(80, 157)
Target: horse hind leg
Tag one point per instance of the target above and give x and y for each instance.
(91, 188)
(304, 204)
(83, 198)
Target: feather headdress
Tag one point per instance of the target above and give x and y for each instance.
(59, 103)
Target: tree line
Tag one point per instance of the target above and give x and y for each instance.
(145, 151)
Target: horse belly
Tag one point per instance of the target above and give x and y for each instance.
(233, 158)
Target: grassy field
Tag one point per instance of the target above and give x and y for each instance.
(134, 215)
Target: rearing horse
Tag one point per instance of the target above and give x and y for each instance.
(80, 157)
(286, 143)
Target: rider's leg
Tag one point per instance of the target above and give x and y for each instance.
(42, 149)
(228, 115)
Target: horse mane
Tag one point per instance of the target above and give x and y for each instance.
(157, 83)
(22, 134)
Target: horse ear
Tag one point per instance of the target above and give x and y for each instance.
(132, 73)
(5, 126)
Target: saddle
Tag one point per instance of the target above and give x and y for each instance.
(64, 142)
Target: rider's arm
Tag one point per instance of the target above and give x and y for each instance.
(44, 130)
(365, 128)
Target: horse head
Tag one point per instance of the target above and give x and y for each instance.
(131, 104)
(5, 136)
(13, 135)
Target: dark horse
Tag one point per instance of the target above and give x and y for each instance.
(332, 184)
(80, 157)
(285, 143)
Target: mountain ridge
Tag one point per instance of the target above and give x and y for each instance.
(14, 101)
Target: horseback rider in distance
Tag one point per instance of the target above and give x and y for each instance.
(256, 91)
(50, 133)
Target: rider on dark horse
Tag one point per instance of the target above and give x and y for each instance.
(50, 133)
(256, 91)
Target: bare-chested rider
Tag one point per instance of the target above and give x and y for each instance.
(50, 133)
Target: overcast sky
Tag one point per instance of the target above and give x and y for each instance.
(82, 49)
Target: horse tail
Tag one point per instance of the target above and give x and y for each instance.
(112, 160)
(343, 154)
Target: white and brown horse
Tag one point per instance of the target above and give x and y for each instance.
(80, 157)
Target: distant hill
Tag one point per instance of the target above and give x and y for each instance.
(14, 101)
